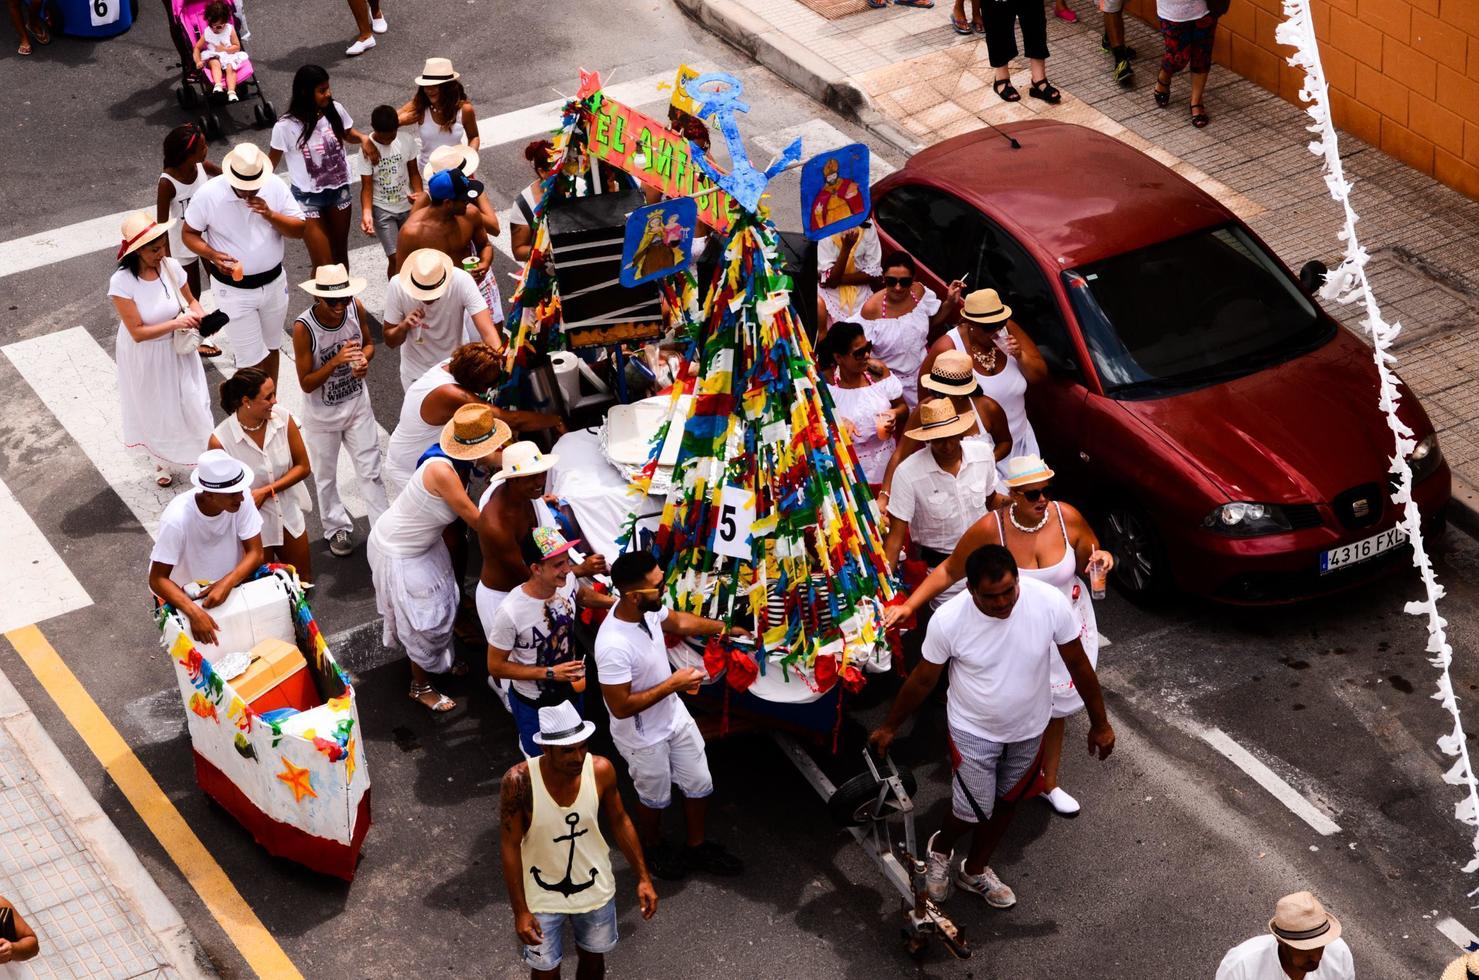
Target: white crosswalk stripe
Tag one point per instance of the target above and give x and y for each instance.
(38, 583)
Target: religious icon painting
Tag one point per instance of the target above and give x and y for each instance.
(834, 191)
(659, 240)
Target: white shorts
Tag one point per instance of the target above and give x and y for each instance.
(487, 601)
(257, 316)
(680, 758)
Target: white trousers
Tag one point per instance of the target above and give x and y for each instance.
(257, 316)
(361, 436)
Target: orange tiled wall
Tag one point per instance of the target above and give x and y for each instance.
(1403, 74)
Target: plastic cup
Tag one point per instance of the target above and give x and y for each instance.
(236, 272)
(469, 264)
(884, 421)
(1098, 579)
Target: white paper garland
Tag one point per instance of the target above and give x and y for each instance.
(1346, 284)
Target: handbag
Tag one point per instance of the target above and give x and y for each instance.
(184, 341)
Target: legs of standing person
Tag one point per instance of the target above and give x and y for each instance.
(387, 225)
(1001, 46)
(336, 226)
(18, 22)
(1114, 40)
(316, 240)
(1034, 21)
(294, 551)
(362, 439)
(361, 11)
(1062, 11)
(251, 330)
(1052, 753)
(1176, 38)
(323, 456)
(1200, 63)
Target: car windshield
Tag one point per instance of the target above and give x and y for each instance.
(1187, 313)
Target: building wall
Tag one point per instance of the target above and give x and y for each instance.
(1403, 74)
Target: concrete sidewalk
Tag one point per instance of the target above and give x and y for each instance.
(70, 873)
(906, 76)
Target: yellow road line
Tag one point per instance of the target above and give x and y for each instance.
(200, 869)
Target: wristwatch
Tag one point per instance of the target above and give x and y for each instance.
(549, 673)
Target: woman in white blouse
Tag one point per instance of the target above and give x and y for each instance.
(265, 438)
(166, 409)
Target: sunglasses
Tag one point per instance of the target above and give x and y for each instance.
(640, 592)
(1033, 496)
(901, 281)
(336, 300)
(865, 351)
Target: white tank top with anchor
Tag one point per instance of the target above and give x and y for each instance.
(567, 863)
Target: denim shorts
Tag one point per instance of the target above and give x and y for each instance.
(315, 203)
(595, 932)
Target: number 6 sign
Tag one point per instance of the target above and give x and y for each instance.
(736, 515)
(103, 12)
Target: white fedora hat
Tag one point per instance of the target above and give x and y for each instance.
(332, 282)
(524, 459)
(436, 71)
(246, 167)
(139, 229)
(217, 471)
(1300, 921)
(561, 724)
(452, 155)
(425, 274)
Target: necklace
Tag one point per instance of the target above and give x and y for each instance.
(987, 362)
(1012, 513)
(250, 428)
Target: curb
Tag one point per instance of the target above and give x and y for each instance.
(1463, 506)
(118, 859)
(793, 61)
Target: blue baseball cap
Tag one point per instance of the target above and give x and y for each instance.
(449, 185)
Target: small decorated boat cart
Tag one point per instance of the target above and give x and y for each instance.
(274, 725)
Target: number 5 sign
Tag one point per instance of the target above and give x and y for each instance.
(103, 12)
(736, 515)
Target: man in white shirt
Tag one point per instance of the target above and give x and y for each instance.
(425, 305)
(529, 640)
(212, 534)
(936, 495)
(649, 723)
(998, 637)
(1303, 943)
(238, 222)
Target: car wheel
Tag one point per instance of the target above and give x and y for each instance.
(852, 804)
(1140, 569)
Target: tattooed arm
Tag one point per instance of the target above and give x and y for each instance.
(516, 806)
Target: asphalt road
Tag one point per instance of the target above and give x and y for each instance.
(1178, 854)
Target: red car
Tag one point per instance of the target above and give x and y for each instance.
(1222, 430)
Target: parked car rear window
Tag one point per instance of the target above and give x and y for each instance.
(1194, 311)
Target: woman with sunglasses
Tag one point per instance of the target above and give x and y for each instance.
(1053, 543)
(899, 319)
(869, 408)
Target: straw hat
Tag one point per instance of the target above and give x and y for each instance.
(938, 419)
(985, 306)
(139, 229)
(524, 459)
(1466, 967)
(425, 274)
(217, 471)
(246, 167)
(951, 374)
(1301, 922)
(333, 282)
(436, 71)
(452, 155)
(1022, 471)
(473, 433)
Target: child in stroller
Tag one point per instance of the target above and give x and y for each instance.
(218, 50)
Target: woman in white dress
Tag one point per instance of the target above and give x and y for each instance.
(262, 435)
(870, 408)
(166, 408)
(849, 265)
(898, 320)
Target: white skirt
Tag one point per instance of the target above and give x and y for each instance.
(417, 595)
(166, 407)
(1066, 699)
(232, 59)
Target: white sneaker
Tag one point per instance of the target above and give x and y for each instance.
(1062, 804)
(360, 47)
(937, 871)
(231, 97)
(219, 88)
(379, 25)
(988, 886)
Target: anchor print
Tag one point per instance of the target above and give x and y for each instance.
(566, 886)
(744, 183)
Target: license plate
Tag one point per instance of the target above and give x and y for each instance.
(1359, 551)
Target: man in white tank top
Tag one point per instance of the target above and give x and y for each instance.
(556, 862)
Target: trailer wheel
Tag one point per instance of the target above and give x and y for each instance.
(853, 802)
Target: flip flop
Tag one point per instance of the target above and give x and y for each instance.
(921, 4)
(208, 350)
(41, 34)
(24, 50)
(961, 27)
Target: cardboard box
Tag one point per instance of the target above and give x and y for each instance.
(277, 678)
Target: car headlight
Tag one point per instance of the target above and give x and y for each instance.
(1426, 457)
(1242, 519)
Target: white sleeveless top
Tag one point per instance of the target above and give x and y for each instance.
(434, 137)
(1008, 388)
(334, 402)
(563, 849)
(268, 462)
(183, 193)
(413, 434)
(415, 520)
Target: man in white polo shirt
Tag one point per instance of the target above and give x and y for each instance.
(998, 638)
(238, 222)
(1303, 941)
(937, 494)
(425, 306)
(212, 534)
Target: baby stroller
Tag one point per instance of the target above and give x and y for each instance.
(186, 21)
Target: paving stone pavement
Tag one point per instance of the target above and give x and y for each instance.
(931, 84)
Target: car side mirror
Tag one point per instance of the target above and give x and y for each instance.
(1312, 276)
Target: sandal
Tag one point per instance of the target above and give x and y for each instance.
(1005, 90)
(208, 350)
(961, 26)
(921, 4)
(24, 50)
(1043, 89)
(40, 33)
(977, 27)
(440, 706)
(1199, 119)
(1162, 95)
